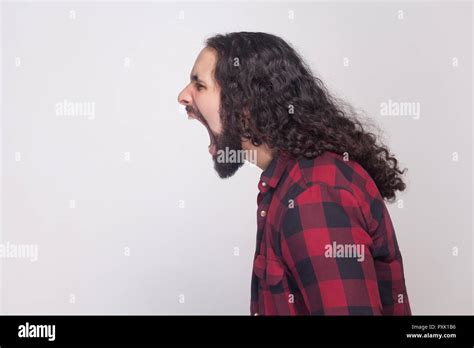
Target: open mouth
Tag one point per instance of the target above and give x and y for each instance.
(212, 145)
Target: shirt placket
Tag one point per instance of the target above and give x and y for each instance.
(263, 202)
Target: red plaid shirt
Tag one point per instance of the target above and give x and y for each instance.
(325, 242)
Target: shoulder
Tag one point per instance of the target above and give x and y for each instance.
(334, 176)
(335, 170)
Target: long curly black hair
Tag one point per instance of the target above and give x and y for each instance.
(270, 95)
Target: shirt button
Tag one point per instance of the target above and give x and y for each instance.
(263, 213)
(264, 183)
(255, 314)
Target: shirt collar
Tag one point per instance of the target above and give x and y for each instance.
(271, 176)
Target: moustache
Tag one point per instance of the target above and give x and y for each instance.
(191, 110)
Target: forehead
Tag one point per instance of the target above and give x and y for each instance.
(205, 64)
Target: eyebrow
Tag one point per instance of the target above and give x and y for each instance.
(196, 78)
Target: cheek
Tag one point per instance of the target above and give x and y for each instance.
(214, 121)
(210, 110)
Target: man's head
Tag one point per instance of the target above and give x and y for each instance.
(202, 100)
(254, 92)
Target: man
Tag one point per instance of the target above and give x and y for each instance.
(325, 241)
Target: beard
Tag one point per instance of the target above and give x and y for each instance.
(224, 142)
(227, 142)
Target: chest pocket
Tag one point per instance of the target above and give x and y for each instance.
(269, 270)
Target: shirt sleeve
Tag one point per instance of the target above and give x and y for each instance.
(325, 245)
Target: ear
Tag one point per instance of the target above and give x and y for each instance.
(245, 121)
(248, 132)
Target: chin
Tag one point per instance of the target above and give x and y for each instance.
(227, 170)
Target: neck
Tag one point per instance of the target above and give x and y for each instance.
(263, 154)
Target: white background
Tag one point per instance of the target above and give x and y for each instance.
(138, 204)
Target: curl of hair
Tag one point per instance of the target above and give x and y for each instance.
(270, 95)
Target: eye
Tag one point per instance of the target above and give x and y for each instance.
(199, 87)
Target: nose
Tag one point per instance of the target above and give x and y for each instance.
(184, 97)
